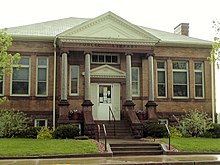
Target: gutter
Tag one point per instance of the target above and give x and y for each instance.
(54, 82)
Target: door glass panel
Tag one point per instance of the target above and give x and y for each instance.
(105, 94)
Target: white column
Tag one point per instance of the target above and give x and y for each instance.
(64, 77)
(87, 77)
(150, 78)
(128, 78)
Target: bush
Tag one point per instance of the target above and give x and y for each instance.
(81, 137)
(66, 131)
(44, 133)
(30, 132)
(155, 130)
(174, 132)
(12, 123)
(194, 123)
(213, 132)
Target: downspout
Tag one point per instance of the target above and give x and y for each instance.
(213, 91)
(54, 82)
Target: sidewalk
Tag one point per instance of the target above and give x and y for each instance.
(148, 160)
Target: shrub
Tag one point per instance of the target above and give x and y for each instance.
(44, 133)
(66, 131)
(81, 137)
(213, 132)
(12, 123)
(174, 132)
(194, 123)
(155, 130)
(30, 132)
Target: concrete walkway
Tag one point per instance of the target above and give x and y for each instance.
(149, 160)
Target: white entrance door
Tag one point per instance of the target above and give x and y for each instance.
(103, 97)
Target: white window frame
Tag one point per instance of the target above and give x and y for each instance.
(41, 66)
(138, 81)
(70, 79)
(199, 71)
(165, 72)
(29, 79)
(187, 81)
(163, 121)
(105, 54)
(36, 120)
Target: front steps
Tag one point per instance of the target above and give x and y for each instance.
(122, 129)
(129, 149)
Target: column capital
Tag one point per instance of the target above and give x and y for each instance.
(149, 54)
(87, 52)
(64, 53)
(128, 53)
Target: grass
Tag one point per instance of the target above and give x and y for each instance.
(195, 144)
(27, 147)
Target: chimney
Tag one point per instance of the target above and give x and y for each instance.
(182, 29)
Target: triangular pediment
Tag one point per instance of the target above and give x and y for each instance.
(108, 27)
(107, 71)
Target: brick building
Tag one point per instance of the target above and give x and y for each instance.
(93, 64)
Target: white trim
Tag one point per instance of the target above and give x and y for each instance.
(41, 66)
(29, 79)
(187, 76)
(138, 81)
(70, 80)
(105, 55)
(199, 71)
(35, 122)
(165, 72)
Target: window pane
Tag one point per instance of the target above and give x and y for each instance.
(20, 88)
(115, 59)
(1, 87)
(135, 88)
(42, 61)
(198, 66)
(160, 65)
(179, 65)
(161, 76)
(199, 91)
(41, 123)
(101, 58)
(179, 77)
(180, 90)
(198, 77)
(108, 59)
(94, 58)
(74, 79)
(42, 74)
(134, 74)
(21, 74)
(41, 88)
(24, 61)
(161, 90)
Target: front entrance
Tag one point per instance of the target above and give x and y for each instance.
(103, 97)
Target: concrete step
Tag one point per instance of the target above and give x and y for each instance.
(129, 153)
(134, 148)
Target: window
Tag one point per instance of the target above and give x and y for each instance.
(74, 80)
(20, 78)
(180, 79)
(105, 58)
(135, 81)
(1, 82)
(161, 79)
(40, 123)
(199, 80)
(42, 63)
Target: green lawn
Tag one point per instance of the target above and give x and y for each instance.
(195, 144)
(27, 147)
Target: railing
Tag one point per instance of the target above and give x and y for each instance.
(110, 112)
(105, 134)
(168, 131)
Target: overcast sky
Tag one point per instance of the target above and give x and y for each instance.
(158, 14)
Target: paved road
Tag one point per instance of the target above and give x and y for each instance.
(166, 159)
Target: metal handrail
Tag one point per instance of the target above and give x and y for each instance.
(99, 130)
(113, 116)
(105, 134)
(168, 131)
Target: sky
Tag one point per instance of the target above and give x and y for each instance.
(158, 14)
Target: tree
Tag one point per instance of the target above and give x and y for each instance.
(194, 123)
(215, 53)
(6, 59)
